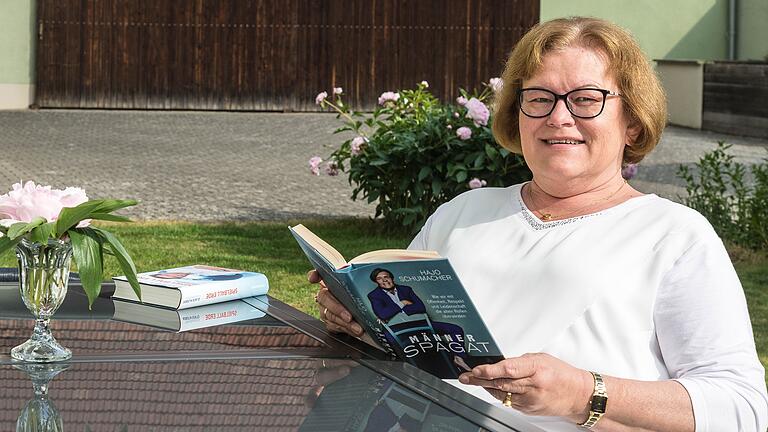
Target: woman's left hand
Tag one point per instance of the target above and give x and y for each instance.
(540, 384)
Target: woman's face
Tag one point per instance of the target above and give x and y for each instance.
(565, 150)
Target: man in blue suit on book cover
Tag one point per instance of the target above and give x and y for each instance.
(389, 299)
(403, 314)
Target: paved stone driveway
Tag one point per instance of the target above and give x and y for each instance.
(235, 166)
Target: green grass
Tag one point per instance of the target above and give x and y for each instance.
(268, 247)
(754, 278)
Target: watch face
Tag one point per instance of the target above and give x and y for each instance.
(599, 403)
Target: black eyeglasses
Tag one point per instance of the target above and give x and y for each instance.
(583, 103)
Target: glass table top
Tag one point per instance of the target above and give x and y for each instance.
(279, 371)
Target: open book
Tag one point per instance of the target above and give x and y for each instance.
(411, 302)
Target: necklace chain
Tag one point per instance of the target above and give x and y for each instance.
(546, 217)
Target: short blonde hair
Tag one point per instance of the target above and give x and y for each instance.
(642, 94)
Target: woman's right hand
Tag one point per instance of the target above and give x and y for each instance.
(335, 316)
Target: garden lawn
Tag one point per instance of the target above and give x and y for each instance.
(268, 247)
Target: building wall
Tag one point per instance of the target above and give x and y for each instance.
(680, 29)
(752, 39)
(683, 29)
(17, 60)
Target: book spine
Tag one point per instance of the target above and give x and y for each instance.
(217, 292)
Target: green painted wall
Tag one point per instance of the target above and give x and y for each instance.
(752, 40)
(17, 33)
(680, 29)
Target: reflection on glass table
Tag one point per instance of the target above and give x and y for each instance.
(264, 394)
(357, 399)
(279, 370)
(39, 413)
(90, 332)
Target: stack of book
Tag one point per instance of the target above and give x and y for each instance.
(191, 297)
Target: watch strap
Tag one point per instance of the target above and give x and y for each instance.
(597, 402)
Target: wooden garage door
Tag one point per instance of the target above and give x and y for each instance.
(266, 54)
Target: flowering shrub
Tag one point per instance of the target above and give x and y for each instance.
(629, 171)
(414, 153)
(39, 213)
(718, 188)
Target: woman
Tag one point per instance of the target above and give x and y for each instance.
(616, 309)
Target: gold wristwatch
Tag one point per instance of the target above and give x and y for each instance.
(597, 403)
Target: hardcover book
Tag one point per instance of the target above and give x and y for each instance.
(191, 286)
(187, 319)
(411, 302)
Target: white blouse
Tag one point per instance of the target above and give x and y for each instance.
(643, 290)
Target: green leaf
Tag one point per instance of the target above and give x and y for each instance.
(110, 205)
(42, 232)
(479, 160)
(7, 243)
(424, 172)
(491, 151)
(109, 217)
(71, 216)
(461, 176)
(123, 258)
(437, 187)
(86, 251)
(20, 228)
(418, 190)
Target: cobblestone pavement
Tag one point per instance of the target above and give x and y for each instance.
(236, 166)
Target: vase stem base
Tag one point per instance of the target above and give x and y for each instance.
(42, 347)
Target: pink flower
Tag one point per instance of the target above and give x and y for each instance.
(461, 100)
(314, 165)
(388, 96)
(332, 169)
(356, 145)
(476, 183)
(464, 133)
(449, 127)
(496, 84)
(629, 171)
(425, 84)
(24, 203)
(338, 90)
(320, 98)
(478, 112)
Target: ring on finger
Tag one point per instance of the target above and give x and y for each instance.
(508, 400)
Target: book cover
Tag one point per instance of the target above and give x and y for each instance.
(188, 319)
(412, 303)
(191, 286)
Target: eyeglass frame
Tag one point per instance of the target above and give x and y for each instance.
(564, 98)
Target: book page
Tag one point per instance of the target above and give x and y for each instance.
(327, 251)
(387, 255)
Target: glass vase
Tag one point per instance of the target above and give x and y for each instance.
(43, 280)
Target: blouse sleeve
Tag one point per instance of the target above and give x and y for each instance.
(705, 337)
